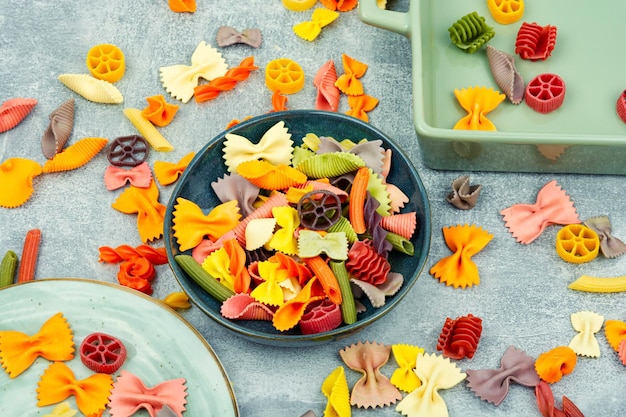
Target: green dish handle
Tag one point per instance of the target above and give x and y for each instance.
(398, 22)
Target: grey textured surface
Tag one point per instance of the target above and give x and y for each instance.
(522, 298)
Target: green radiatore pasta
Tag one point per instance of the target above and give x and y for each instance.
(470, 32)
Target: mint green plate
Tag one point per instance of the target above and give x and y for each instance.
(585, 135)
(160, 344)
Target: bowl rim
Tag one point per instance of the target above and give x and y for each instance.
(300, 339)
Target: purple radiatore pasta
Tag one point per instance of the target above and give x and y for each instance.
(505, 74)
(459, 337)
(365, 264)
(492, 385)
(13, 111)
(59, 129)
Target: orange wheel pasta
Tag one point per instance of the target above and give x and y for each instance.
(284, 75)
(106, 62)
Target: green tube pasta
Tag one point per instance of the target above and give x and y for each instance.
(203, 278)
(348, 308)
(7, 268)
(401, 244)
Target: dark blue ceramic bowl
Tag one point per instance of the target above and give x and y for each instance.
(208, 165)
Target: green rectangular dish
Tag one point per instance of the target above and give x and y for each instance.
(584, 135)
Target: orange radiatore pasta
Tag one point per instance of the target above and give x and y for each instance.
(271, 177)
(191, 225)
(554, 364)
(76, 155)
(53, 342)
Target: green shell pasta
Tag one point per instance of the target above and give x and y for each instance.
(471, 32)
(330, 164)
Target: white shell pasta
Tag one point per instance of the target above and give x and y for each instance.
(92, 89)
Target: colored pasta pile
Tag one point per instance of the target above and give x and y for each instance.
(301, 234)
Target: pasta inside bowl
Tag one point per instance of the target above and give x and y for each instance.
(196, 187)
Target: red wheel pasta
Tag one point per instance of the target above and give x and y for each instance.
(102, 353)
(545, 93)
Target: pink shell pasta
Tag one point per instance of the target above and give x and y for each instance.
(13, 111)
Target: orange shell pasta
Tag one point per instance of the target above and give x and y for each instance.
(552, 365)
(75, 156)
(16, 181)
(271, 177)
